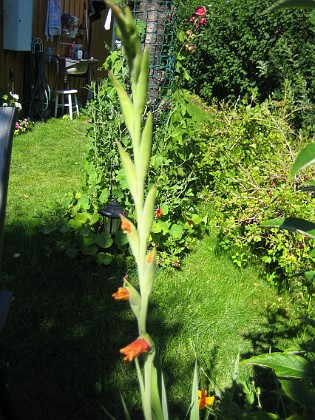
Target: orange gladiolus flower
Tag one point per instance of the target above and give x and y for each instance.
(203, 400)
(134, 349)
(121, 294)
(126, 225)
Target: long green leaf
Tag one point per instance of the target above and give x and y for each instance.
(292, 224)
(156, 399)
(126, 104)
(305, 158)
(298, 392)
(148, 214)
(285, 365)
(130, 171)
(260, 416)
(127, 415)
(194, 413)
(284, 4)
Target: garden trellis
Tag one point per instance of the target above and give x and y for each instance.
(155, 21)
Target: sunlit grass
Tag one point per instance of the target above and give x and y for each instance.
(46, 163)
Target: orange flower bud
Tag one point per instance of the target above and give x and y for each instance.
(134, 349)
(126, 225)
(121, 294)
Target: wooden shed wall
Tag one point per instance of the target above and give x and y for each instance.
(12, 63)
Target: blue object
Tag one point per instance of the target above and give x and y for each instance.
(5, 303)
(48, 54)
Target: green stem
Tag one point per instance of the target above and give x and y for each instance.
(148, 386)
(142, 323)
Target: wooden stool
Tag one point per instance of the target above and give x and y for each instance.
(69, 104)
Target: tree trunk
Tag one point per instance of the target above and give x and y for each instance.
(156, 17)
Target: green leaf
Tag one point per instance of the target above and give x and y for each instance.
(103, 198)
(156, 400)
(94, 218)
(299, 392)
(126, 104)
(176, 231)
(134, 300)
(305, 158)
(130, 170)
(284, 4)
(308, 186)
(148, 214)
(292, 224)
(285, 365)
(103, 239)
(121, 238)
(260, 416)
(84, 202)
(126, 411)
(194, 413)
(49, 229)
(164, 209)
(89, 240)
(145, 147)
(104, 258)
(90, 250)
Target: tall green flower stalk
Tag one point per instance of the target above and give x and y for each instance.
(136, 167)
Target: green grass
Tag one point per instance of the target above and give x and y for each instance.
(45, 165)
(64, 330)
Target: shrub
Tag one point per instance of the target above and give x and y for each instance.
(245, 165)
(239, 50)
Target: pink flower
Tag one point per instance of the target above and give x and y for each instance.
(200, 11)
(203, 21)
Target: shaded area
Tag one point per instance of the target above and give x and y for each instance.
(63, 331)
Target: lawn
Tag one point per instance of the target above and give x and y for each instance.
(64, 329)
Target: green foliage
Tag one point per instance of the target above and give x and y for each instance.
(295, 372)
(173, 168)
(240, 49)
(245, 193)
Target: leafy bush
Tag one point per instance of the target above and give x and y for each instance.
(238, 50)
(245, 191)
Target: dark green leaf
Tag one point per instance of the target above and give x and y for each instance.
(104, 258)
(283, 4)
(90, 250)
(104, 239)
(121, 238)
(260, 416)
(292, 224)
(299, 392)
(285, 365)
(305, 158)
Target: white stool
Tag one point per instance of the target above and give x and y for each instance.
(69, 104)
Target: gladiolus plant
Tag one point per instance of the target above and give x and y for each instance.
(136, 165)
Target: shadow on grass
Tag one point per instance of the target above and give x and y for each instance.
(64, 332)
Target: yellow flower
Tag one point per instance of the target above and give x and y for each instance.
(203, 400)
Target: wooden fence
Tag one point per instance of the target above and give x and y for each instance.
(14, 65)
